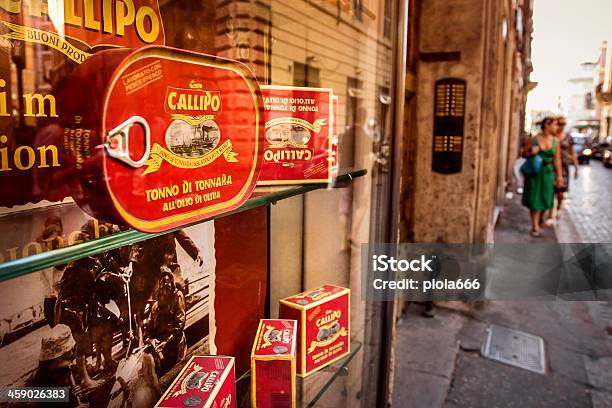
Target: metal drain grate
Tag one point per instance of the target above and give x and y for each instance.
(515, 348)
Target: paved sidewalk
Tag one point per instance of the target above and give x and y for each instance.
(438, 360)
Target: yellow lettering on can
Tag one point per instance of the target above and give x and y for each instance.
(171, 97)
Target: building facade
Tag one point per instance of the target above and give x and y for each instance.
(479, 51)
(603, 88)
(579, 103)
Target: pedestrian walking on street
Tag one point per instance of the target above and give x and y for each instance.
(568, 157)
(542, 153)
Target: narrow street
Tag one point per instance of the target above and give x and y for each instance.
(439, 361)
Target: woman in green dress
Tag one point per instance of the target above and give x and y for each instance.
(539, 191)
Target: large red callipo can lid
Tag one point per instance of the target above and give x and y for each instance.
(159, 138)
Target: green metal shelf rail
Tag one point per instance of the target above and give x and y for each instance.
(34, 263)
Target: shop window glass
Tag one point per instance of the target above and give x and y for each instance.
(219, 271)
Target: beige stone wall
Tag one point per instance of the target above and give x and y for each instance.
(444, 204)
(459, 208)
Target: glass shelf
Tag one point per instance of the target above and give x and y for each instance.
(310, 390)
(260, 197)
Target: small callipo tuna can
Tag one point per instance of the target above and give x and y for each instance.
(323, 324)
(159, 138)
(298, 144)
(273, 364)
(205, 381)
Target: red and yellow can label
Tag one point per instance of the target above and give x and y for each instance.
(178, 137)
(298, 145)
(205, 118)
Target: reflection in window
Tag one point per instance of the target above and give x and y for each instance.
(354, 94)
(357, 10)
(387, 19)
(355, 118)
(305, 75)
(382, 108)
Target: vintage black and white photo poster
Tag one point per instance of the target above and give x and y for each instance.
(115, 327)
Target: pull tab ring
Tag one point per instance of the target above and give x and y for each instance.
(118, 145)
